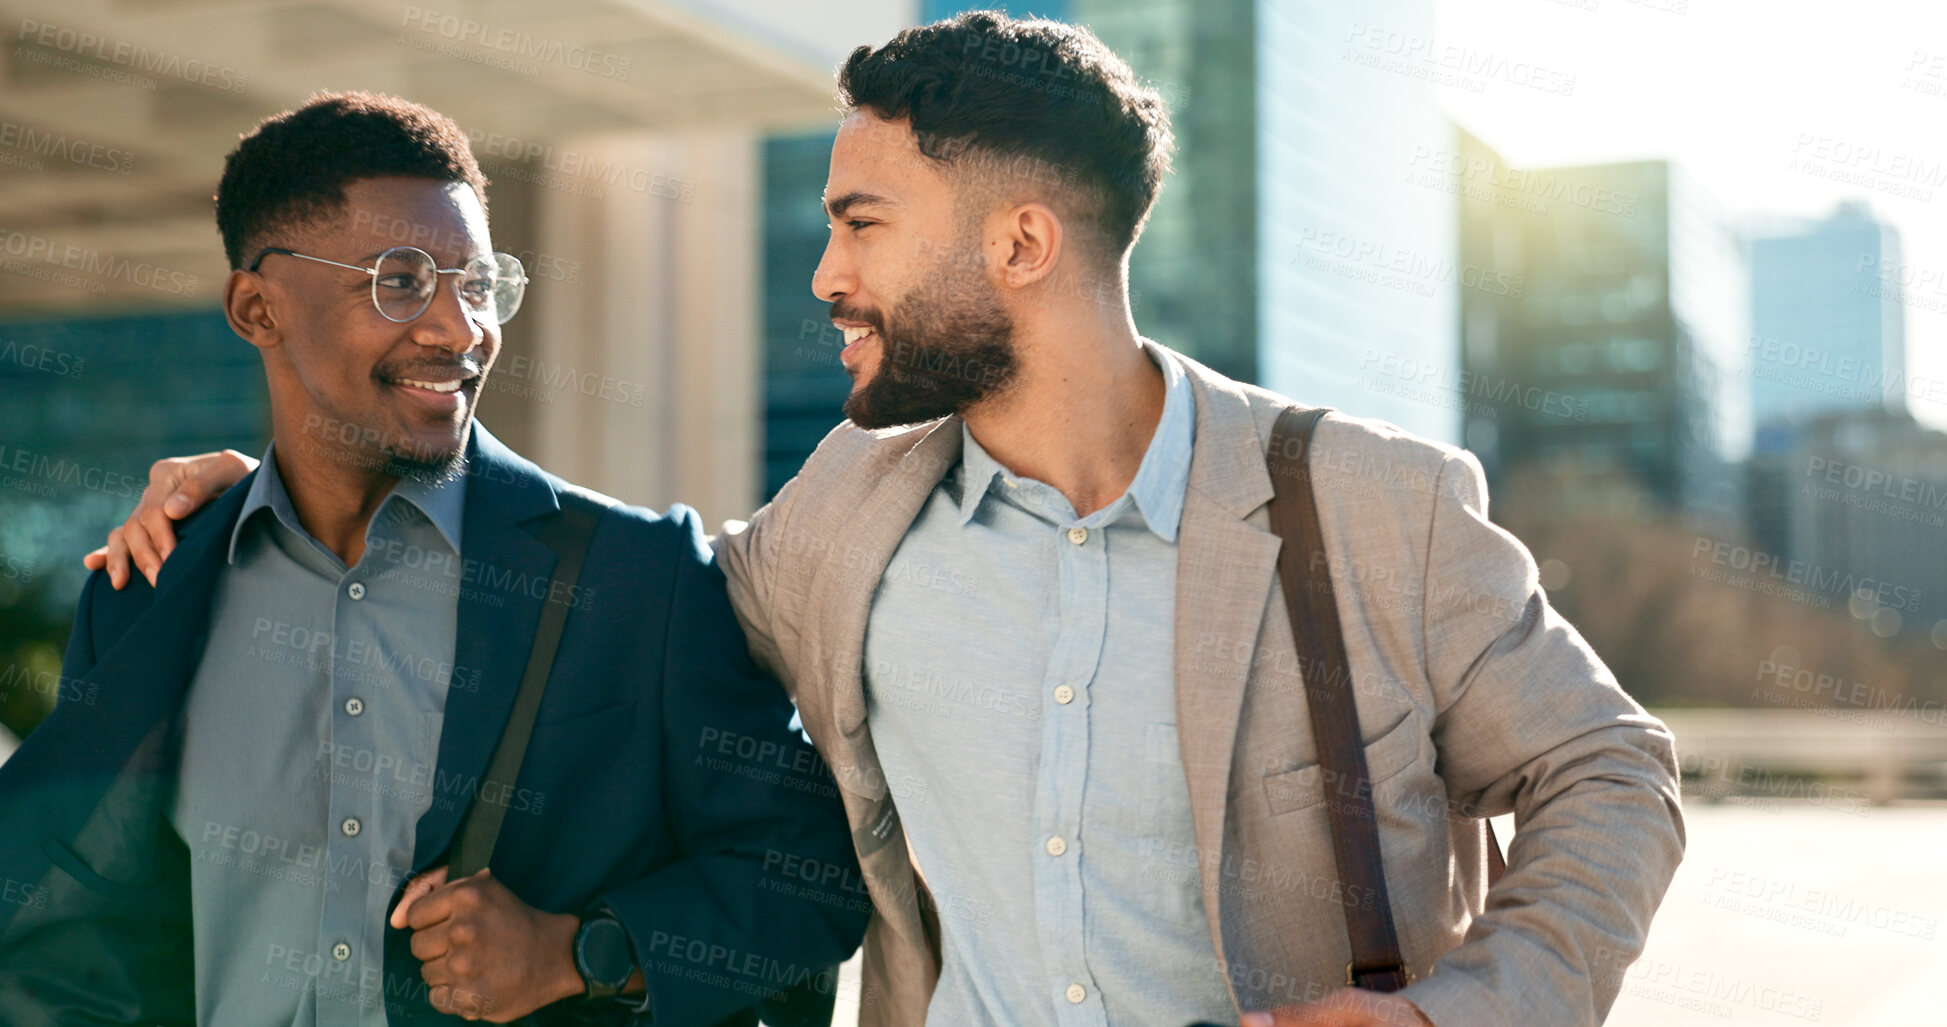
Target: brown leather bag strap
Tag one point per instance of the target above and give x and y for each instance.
(1302, 569)
(1305, 573)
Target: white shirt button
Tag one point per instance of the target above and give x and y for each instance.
(1076, 993)
(341, 952)
(1056, 846)
(1078, 536)
(1064, 694)
(354, 706)
(350, 827)
(356, 590)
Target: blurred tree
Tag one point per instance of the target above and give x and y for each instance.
(1634, 586)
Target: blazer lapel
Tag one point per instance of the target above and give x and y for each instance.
(844, 586)
(507, 575)
(1226, 573)
(841, 594)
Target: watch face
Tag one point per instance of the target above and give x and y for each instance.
(602, 953)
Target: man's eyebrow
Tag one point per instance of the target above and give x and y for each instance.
(837, 206)
(376, 254)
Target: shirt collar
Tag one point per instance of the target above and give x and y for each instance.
(444, 504)
(1160, 481)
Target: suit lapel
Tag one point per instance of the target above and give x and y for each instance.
(143, 676)
(506, 577)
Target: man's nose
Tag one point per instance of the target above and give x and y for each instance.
(447, 322)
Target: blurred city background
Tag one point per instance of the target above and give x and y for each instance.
(1674, 270)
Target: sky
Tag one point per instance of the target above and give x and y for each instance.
(1765, 103)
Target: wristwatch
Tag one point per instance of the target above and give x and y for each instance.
(604, 956)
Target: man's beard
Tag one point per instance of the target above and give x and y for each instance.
(427, 469)
(952, 347)
(407, 461)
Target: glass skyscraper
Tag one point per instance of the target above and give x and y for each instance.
(1825, 335)
(1617, 370)
(1292, 246)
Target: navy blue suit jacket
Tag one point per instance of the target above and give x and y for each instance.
(663, 777)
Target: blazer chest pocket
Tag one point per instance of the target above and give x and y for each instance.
(71, 863)
(1304, 786)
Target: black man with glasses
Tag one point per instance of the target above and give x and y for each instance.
(251, 820)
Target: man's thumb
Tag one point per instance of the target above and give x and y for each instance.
(416, 889)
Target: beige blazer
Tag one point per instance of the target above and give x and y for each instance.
(1475, 697)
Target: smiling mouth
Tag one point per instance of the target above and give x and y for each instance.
(445, 393)
(855, 337)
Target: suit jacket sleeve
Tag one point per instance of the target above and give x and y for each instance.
(1529, 720)
(80, 658)
(768, 891)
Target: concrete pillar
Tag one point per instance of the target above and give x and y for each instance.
(645, 355)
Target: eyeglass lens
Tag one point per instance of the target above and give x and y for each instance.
(491, 286)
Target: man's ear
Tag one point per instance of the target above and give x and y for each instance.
(1030, 244)
(248, 309)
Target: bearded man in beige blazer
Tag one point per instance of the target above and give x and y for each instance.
(1472, 693)
(1026, 600)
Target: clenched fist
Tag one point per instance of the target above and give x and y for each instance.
(487, 955)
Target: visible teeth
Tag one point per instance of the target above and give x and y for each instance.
(853, 335)
(452, 386)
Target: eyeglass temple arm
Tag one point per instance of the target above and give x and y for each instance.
(349, 267)
(267, 251)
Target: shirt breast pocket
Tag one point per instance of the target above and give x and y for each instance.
(1301, 787)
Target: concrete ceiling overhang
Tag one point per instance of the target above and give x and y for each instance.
(115, 116)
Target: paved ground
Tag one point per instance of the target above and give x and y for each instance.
(1799, 914)
(1783, 914)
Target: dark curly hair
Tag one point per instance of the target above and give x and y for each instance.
(294, 167)
(983, 90)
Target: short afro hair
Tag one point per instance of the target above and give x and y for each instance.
(294, 167)
(986, 89)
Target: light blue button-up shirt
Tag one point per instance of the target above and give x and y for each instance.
(311, 733)
(1021, 696)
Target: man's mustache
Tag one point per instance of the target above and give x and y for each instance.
(869, 315)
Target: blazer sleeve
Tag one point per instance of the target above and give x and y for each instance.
(1528, 719)
(768, 891)
(748, 560)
